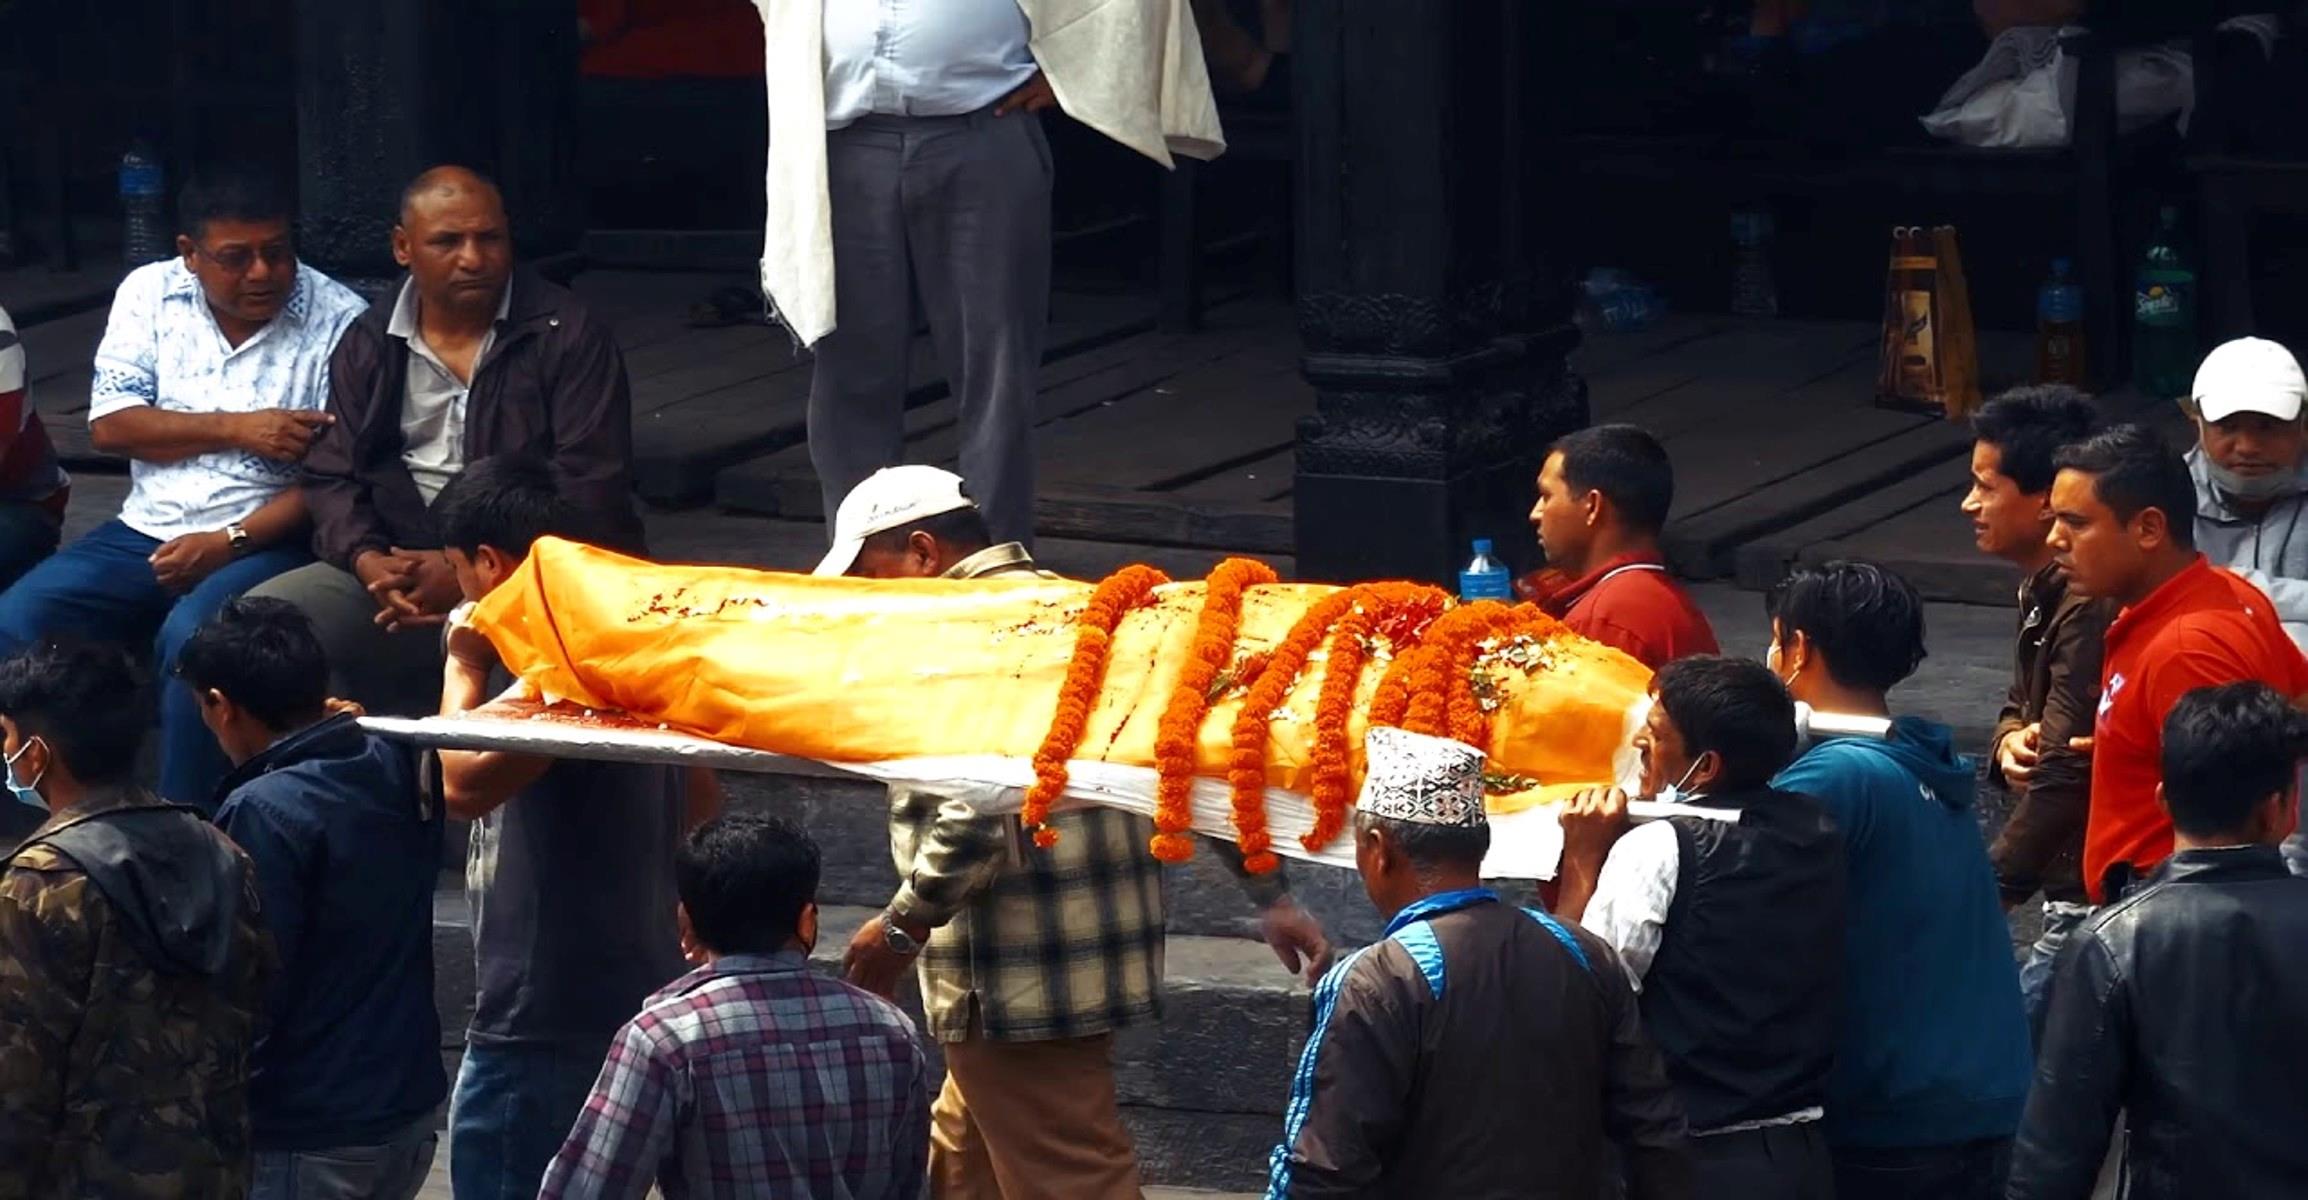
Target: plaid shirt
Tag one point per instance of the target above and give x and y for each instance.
(754, 1076)
(1035, 944)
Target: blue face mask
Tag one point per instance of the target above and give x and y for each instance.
(1673, 792)
(25, 793)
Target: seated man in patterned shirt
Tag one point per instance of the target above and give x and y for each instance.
(753, 1075)
(210, 381)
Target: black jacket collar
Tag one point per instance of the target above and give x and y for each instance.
(2228, 864)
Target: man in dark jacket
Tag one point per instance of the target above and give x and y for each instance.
(1473, 1024)
(471, 359)
(2178, 1006)
(1693, 904)
(2055, 682)
(132, 957)
(1931, 1057)
(344, 1081)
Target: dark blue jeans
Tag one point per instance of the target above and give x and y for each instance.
(512, 1108)
(101, 587)
(1964, 1171)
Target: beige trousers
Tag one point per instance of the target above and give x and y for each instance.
(1030, 1121)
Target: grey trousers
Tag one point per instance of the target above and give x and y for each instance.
(954, 211)
(390, 674)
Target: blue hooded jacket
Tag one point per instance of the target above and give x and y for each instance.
(1934, 1044)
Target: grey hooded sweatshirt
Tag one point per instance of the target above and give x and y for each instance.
(2271, 552)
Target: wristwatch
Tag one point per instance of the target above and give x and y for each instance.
(237, 538)
(898, 939)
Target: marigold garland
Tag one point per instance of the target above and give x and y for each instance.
(1246, 767)
(1406, 608)
(1333, 783)
(1114, 597)
(1177, 735)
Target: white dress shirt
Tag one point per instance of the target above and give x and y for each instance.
(921, 58)
(162, 347)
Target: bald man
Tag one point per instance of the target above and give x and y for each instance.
(473, 358)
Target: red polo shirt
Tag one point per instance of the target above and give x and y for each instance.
(2202, 628)
(1629, 602)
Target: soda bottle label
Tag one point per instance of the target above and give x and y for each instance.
(2164, 302)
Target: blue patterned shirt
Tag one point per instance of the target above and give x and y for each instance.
(754, 1076)
(162, 347)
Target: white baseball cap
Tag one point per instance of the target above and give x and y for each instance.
(891, 498)
(2249, 375)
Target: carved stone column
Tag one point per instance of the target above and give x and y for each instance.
(1434, 315)
(386, 88)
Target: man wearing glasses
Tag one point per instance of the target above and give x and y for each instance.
(210, 380)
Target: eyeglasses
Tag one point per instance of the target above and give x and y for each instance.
(237, 260)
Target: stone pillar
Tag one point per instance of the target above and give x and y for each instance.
(386, 88)
(1434, 313)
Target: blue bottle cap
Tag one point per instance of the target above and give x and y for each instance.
(1482, 545)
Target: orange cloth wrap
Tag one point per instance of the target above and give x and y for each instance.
(853, 670)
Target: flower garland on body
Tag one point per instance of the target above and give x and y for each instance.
(1246, 767)
(1407, 608)
(1178, 734)
(1117, 594)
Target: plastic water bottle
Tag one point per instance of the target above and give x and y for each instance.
(1753, 294)
(144, 233)
(2164, 316)
(2060, 328)
(1485, 578)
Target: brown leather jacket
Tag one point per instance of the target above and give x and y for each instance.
(2055, 680)
(553, 387)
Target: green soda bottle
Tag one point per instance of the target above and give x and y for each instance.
(2164, 315)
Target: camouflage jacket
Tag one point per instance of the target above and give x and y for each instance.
(132, 963)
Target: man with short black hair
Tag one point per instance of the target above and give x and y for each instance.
(133, 958)
(570, 871)
(1604, 493)
(1030, 958)
(1932, 1057)
(2178, 1006)
(2124, 528)
(211, 380)
(1472, 1023)
(752, 1071)
(346, 1078)
(1694, 902)
(2055, 666)
(472, 357)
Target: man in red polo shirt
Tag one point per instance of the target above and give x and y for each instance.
(2124, 527)
(1603, 498)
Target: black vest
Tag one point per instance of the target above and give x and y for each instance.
(1743, 996)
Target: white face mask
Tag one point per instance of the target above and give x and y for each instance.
(2272, 486)
(1673, 792)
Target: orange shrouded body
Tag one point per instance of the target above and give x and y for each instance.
(852, 670)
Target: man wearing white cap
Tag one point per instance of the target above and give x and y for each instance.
(1030, 959)
(2251, 485)
(1474, 1025)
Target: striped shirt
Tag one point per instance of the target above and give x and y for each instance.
(28, 469)
(754, 1076)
